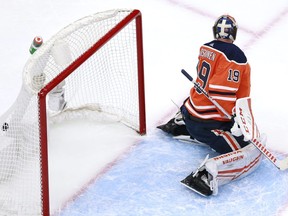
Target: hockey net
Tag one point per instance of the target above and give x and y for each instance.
(98, 61)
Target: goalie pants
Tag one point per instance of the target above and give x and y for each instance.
(214, 133)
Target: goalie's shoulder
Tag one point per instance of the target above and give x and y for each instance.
(231, 51)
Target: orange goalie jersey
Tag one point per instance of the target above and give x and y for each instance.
(223, 72)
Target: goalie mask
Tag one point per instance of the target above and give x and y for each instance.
(225, 27)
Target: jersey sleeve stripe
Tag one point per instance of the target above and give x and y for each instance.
(203, 116)
(223, 87)
(224, 98)
(201, 107)
(222, 93)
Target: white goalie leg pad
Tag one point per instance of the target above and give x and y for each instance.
(233, 165)
(211, 168)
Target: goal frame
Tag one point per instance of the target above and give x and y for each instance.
(134, 15)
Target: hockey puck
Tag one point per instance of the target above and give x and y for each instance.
(5, 126)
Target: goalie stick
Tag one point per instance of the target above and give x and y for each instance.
(197, 86)
(246, 123)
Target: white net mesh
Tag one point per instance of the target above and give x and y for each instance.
(106, 82)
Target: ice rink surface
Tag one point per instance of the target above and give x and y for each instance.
(141, 176)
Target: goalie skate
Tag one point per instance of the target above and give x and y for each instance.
(200, 180)
(198, 183)
(191, 188)
(175, 126)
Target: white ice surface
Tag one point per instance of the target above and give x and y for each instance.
(173, 30)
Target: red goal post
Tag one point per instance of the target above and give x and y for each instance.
(99, 61)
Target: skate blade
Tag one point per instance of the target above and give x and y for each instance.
(183, 183)
(161, 126)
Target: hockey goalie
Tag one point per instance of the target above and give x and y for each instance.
(223, 73)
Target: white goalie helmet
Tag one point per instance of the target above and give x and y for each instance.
(225, 27)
